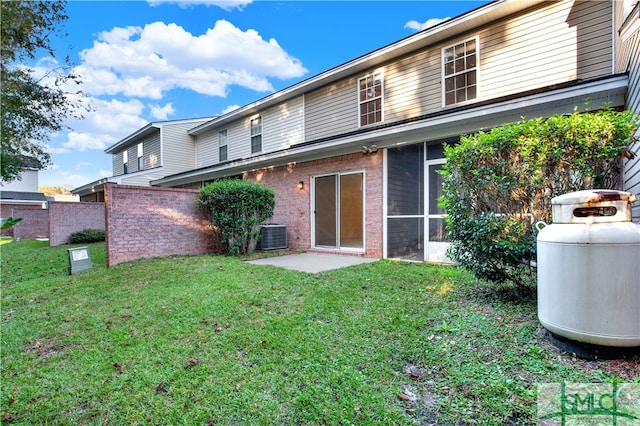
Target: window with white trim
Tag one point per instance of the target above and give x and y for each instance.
(140, 156)
(256, 135)
(222, 145)
(370, 97)
(125, 162)
(460, 72)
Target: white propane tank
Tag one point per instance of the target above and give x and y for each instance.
(589, 269)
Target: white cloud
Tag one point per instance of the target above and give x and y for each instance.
(417, 26)
(112, 117)
(52, 150)
(146, 62)
(223, 4)
(230, 108)
(83, 141)
(105, 173)
(74, 178)
(70, 176)
(82, 164)
(161, 112)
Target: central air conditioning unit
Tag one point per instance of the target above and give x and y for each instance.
(272, 237)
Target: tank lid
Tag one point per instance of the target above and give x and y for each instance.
(591, 196)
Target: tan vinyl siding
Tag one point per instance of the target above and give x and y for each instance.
(413, 86)
(557, 42)
(282, 126)
(151, 152)
(178, 150)
(118, 169)
(207, 148)
(542, 48)
(238, 140)
(331, 110)
(132, 165)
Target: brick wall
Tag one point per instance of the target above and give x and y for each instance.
(8, 210)
(34, 224)
(293, 206)
(66, 218)
(145, 222)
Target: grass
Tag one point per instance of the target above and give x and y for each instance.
(214, 340)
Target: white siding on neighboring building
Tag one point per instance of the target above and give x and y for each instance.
(28, 182)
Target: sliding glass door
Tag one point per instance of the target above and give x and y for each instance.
(339, 210)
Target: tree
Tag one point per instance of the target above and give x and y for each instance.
(33, 106)
(55, 190)
(497, 183)
(237, 208)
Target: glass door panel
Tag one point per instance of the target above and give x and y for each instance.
(325, 211)
(437, 242)
(351, 210)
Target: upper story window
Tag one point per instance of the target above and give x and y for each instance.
(222, 145)
(370, 95)
(460, 72)
(140, 156)
(125, 162)
(256, 135)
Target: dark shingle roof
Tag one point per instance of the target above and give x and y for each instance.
(22, 196)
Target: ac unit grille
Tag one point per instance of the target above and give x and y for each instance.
(272, 237)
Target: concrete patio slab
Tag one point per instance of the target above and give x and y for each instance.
(312, 262)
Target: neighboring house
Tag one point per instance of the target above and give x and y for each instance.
(20, 194)
(353, 153)
(154, 151)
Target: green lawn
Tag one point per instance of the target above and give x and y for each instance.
(214, 340)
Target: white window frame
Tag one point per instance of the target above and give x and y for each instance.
(256, 132)
(222, 143)
(370, 95)
(140, 156)
(476, 69)
(125, 161)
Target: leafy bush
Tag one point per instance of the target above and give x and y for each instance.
(237, 208)
(498, 183)
(87, 236)
(10, 222)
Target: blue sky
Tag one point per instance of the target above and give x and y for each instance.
(145, 61)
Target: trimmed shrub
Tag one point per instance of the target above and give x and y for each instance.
(498, 183)
(87, 236)
(237, 208)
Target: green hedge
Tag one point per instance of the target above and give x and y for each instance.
(237, 208)
(87, 236)
(498, 183)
